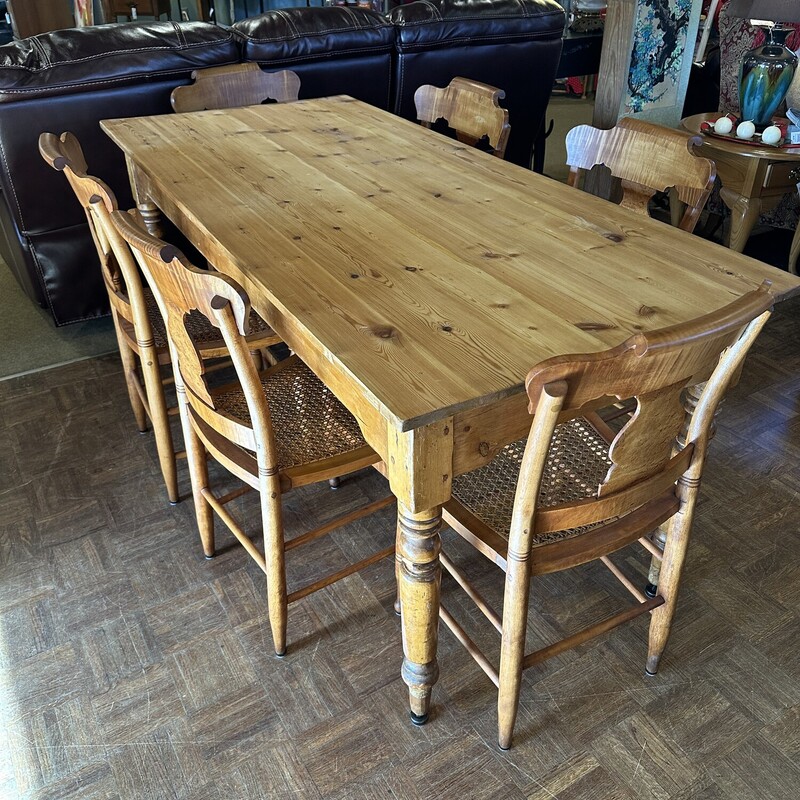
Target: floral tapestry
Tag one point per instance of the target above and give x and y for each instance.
(657, 57)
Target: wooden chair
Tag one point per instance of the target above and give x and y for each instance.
(647, 158)
(274, 430)
(235, 85)
(470, 108)
(140, 330)
(576, 491)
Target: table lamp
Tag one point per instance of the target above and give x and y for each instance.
(767, 71)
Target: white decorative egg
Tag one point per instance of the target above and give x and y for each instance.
(771, 135)
(723, 126)
(745, 130)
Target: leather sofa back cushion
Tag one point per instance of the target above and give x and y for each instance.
(94, 58)
(334, 50)
(290, 35)
(437, 23)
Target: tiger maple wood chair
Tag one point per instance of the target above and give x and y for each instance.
(274, 430)
(235, 85)
(647, 158)
(140, 331)
(576, 491)
(470, 108)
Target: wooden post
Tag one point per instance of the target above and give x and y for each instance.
(644, 67)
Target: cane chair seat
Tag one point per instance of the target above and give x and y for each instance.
(577, 464)
(310, 424)
(575, 491)
(275, 430)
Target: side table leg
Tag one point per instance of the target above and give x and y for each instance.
(419, 577)
(794, 251)
(744, 214)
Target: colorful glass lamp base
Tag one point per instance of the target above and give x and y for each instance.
(764, 78)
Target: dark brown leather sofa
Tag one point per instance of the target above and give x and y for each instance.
(70, 80)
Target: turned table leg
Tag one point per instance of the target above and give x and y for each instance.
(150, 212)
(419, 577)
(151, 216)
(419, 464)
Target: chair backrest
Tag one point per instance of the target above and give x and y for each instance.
(181, 288)
(233, 86)
(470, 108)
(121, 278)
(645, 465)
(647, 158)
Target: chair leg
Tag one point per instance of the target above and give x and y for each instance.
(669, 579)
(512, 648)
(198, 472)
(128, 358)
(258, 360)
(160, 420)
(274, 555)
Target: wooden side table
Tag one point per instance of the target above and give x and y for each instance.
(753, 179)
(29, 17)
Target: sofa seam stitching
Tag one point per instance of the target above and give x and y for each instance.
(51, 65)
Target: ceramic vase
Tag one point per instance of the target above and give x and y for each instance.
(764, 78)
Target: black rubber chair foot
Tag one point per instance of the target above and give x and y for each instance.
(210, 558)
(504, 749)
(281, 655)
(651, 590)
(174, 502)
(650, 674)
(419, 719)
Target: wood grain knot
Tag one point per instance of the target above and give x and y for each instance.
(646, 311)
(490, 254)
(483, 449)
(383, 331)
(594, 326)
(614, 237)
(499, 305)
(410, 269)
(447, 328)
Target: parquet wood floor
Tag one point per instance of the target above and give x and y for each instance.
(132, 668)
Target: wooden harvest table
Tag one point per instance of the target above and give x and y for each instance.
(421, 280)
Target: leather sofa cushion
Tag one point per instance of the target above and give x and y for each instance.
(87, 59)
(290, 35)
(437, 23)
